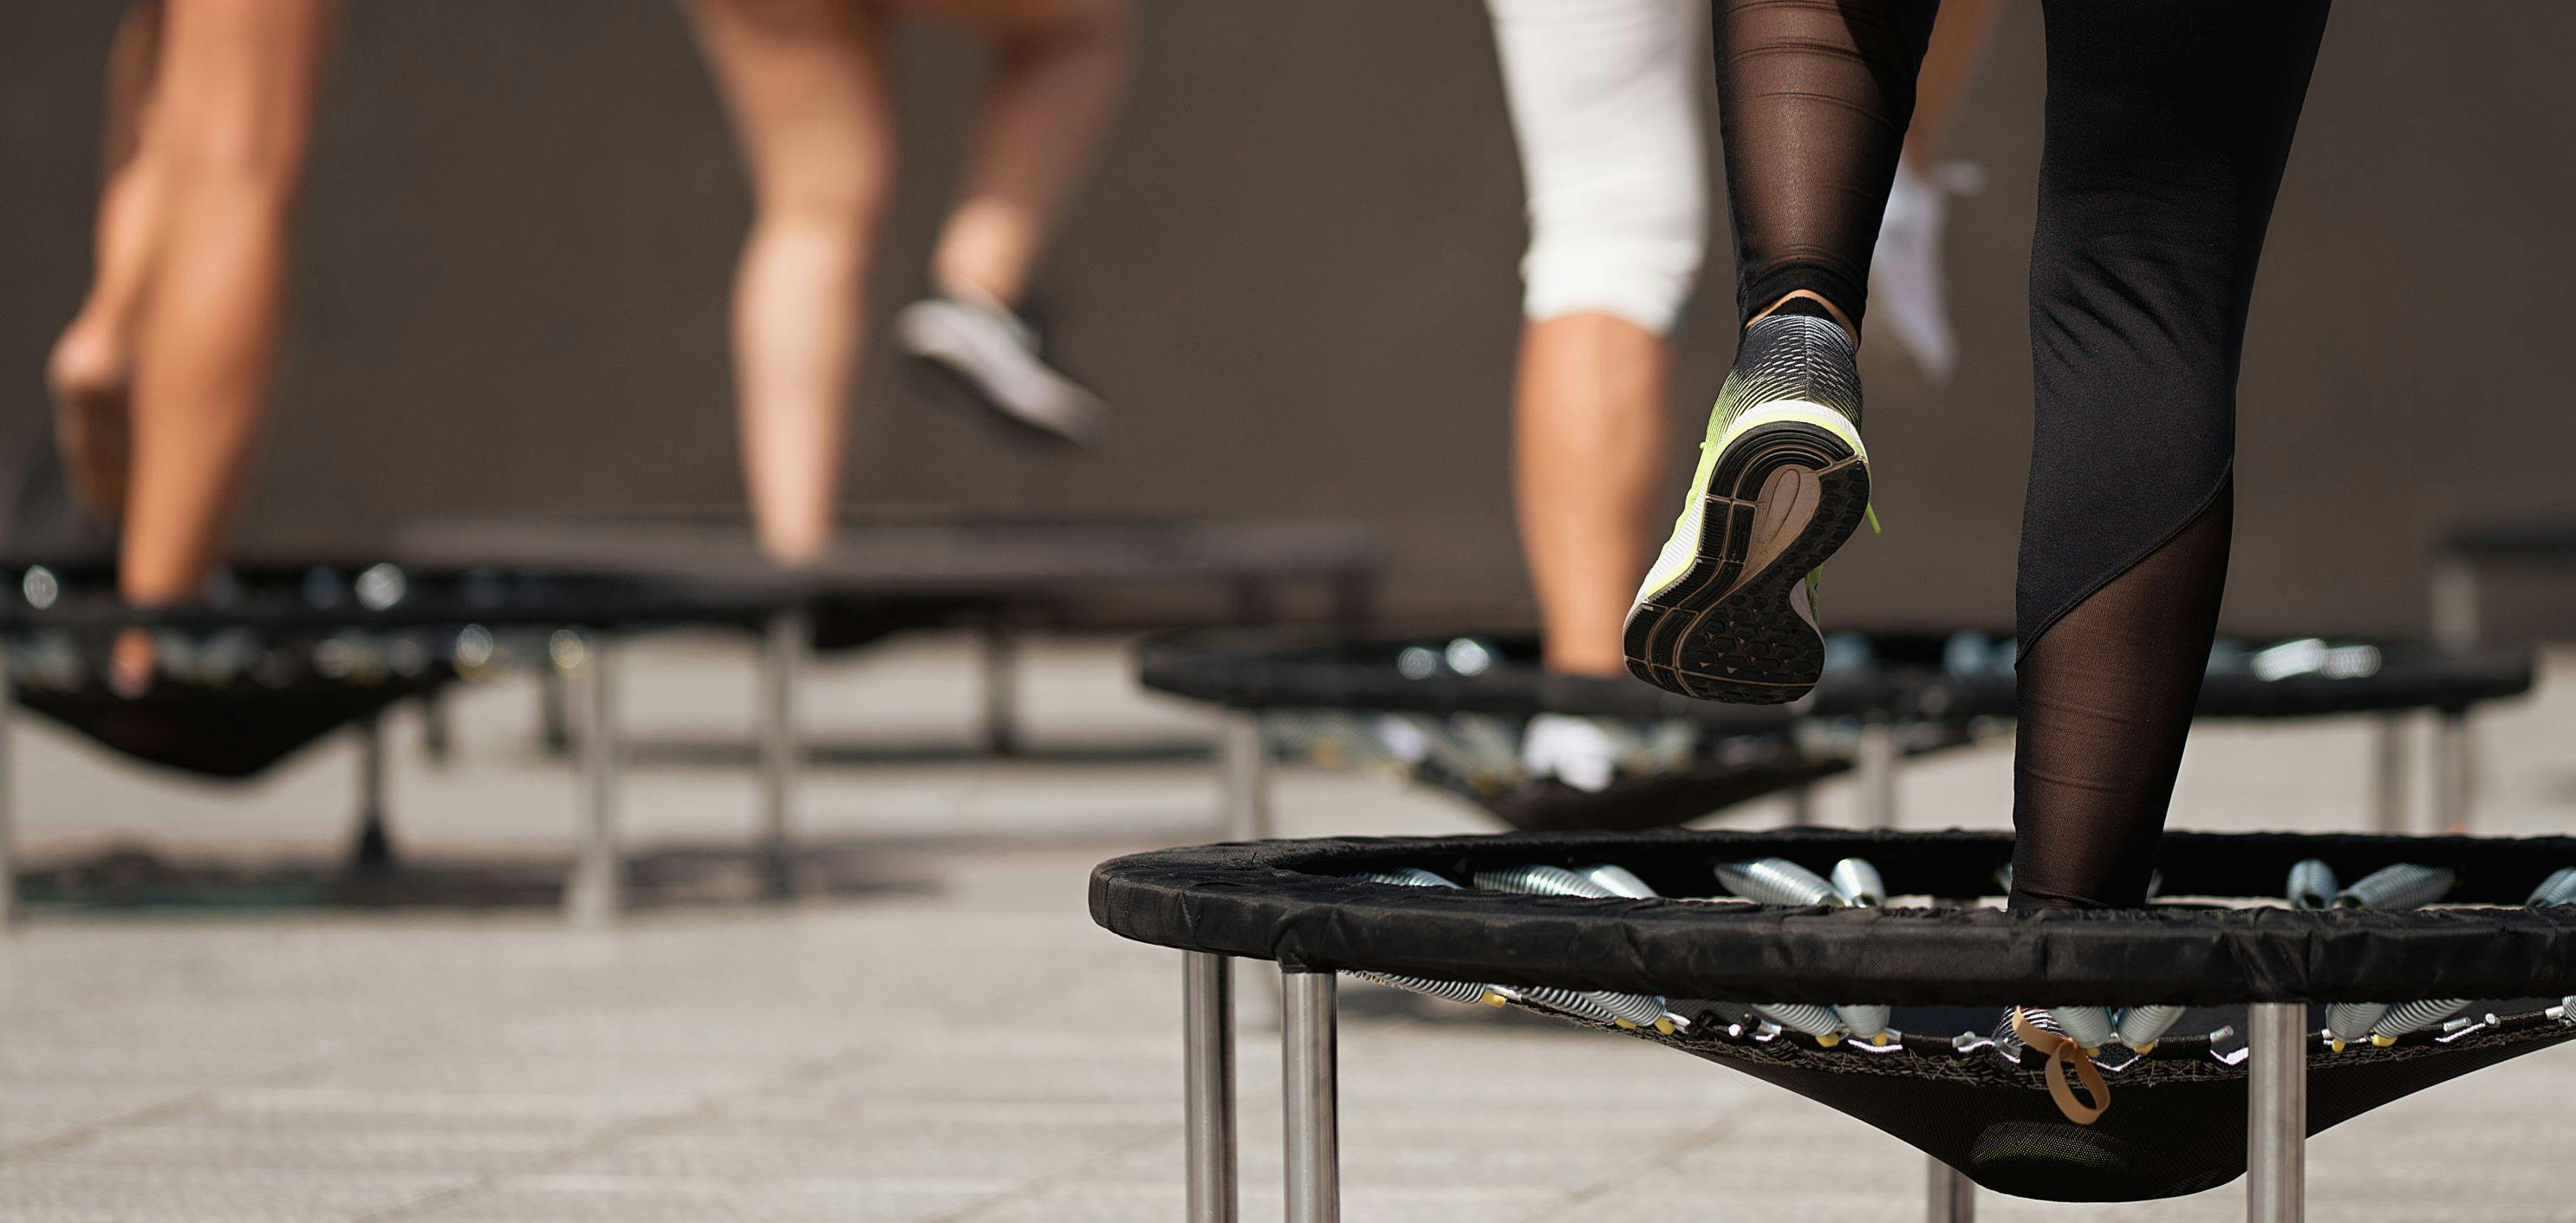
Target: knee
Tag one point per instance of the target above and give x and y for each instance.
(1637, 264)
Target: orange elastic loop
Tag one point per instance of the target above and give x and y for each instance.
(2062, 1051)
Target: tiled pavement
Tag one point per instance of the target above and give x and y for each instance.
(941, 1034)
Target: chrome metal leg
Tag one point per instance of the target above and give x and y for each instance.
(1954, 1197)
(374, 852)
(1207, 1084)
(999, 668)
(2454, 783)
(554, 719)
(2388, 773)
(595, 892)
(2276, 1113)
(782, 663)
(1243, 765)
(1877, 774)
(8, 802)
(1307, 1079)
(1802, 804)
(2455, 604)
(437, 729)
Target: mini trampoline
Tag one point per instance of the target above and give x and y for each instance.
(282, 656)
(1004, 576)
(2187, 1043)
(1886, 695)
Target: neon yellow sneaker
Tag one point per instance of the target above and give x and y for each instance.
(1727, 612)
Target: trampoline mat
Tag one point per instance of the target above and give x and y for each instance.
(232, 732)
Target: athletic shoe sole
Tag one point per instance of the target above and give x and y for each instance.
(1783, 495)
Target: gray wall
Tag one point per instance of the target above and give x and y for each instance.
(1294, 275)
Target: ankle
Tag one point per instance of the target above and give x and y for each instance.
(1810, 304)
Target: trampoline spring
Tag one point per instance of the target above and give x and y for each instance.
(1858, 882)
(2087, 1026)
(2140, 1027)
(2558, 889)
(1867, 1024)
(2350, 1023)
(1618, 880)
(1623, 1010)
(1815, 1021)
(1535, 880)
(1776, 881)
(2412, 1017)
(2402, 886)
(2312, 884)
(1454, 991)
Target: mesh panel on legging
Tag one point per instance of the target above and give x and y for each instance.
(2168, 125)
(1813, 98)
(2105, 701)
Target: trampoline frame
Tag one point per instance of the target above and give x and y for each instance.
(594, 884)
(1309, 1022)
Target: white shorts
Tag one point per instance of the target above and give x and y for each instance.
(1605, 103)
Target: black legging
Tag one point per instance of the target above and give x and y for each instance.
(2168, 123)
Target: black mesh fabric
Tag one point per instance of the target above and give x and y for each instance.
(231, 732)
(2176, 1118)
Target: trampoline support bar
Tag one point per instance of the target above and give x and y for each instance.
(594, 892)
(1207, 1075)
(373, 854)
(782, 664)
(998, 667)
(1954, 1196)
(1243, 810)
(2388, 773)
(2276, 1113)
(1312, 1097)
(1878, 758)
(2453, 761)
(8, 856)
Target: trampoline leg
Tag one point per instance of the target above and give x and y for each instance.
(1207, 1084)
(1307, 1070)
(374, 852)
(2276, 1113)
(593, 894)
(2388, 773)
(2455, 604)
(437, 730)
(1243, 766)
(8, 805)
(554, 721)
(1000, 671)
(2454, 761)
(1877, 774)
(1954, 1197)
(782, 662)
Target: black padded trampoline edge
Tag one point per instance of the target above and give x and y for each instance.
(1290, 901)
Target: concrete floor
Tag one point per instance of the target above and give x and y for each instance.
(938, 1032)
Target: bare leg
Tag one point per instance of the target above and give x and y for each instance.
(1959, 38)
(1589, 440)
(1057, 69)
(805, 83)
(236, 92)
(91, 370)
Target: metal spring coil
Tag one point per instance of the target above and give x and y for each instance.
(2402, 886)
(1617, 880)
(1858, 882)
(1776, 881)
(2413, 1016)
(1815, 1021)
(2312, 885)
(2140, 1027)
(1536, 880)
(2351, 1022)
(1868, 1023)
(2558, 889)
(1454, 991)
(2089, 1026)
